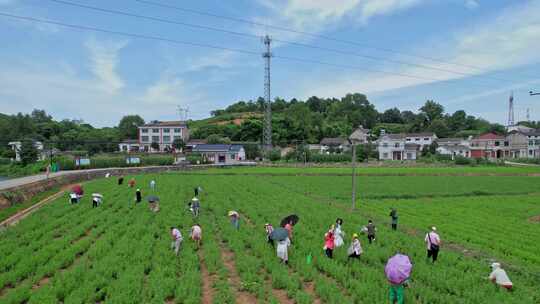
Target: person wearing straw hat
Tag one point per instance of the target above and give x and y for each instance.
(96, 199)
(195, 206)
(196, 234)
(499, 277)
(235, 219)
(355, 250)
(433, 243)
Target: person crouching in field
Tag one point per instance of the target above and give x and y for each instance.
(131, 183)
(499, 277)
(282, 250)
(138, 196)
(329, 242)
(196, 234)
(355, 250)
(96, 199)
(177, 239)
(433, 242)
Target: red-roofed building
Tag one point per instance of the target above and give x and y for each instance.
(490, 145)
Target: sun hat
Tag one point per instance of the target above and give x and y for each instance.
(434, 228)
(355, 236)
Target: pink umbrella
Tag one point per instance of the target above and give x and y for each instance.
(398, 269)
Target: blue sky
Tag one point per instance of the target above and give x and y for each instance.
(100, 77)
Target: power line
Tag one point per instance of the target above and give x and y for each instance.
(285, 29)
(157, 38)
(209, 28)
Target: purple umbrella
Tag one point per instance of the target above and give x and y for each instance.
(398, 269)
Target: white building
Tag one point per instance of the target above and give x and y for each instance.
(421, 139)
(454, 147)
(129, 145)
(221, 153)
(396, 147)
(533, 146)
(16, 146)
(163, 133)
(334, 145)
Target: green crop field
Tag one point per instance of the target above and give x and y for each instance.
(120, 252)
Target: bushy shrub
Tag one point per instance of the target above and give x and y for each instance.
(330, 158)
(274, 155)
(460, 160)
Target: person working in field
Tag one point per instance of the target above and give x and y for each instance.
(138, 196)
(289, 228)
(499, 277)
(433, 242)
(329, 242)
(394, 217)
(195, 206)
(153, 185)
(96, 199)
(269, 229)
(120, 180)
(177, 239)
(338, 234)
(73, 198)
(196, 234)
(197, 190)
(355, 250)
(235, 219)
(370, 229)
(282, 250)
(131, 183)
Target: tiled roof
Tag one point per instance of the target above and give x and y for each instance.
(175, 123)
(424, 134)
(489, 136)
(217, 148)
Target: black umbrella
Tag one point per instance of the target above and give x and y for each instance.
(293, 219)
(152, 198)
(279, 234)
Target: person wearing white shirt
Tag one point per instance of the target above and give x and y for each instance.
(177, 239)
(498, 276)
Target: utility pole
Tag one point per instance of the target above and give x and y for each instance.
(511, 110)
(267, 132)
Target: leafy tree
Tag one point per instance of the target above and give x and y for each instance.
(28, 152)
(432, 111)
(179, 144)
(216, 139)
(391, 116)
(458, 121)
(154, 145)
(128, 126)
(253, 151)
(440, 128)
(408, 117)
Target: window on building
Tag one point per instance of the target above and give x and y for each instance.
(155, 138)
(409, 155)
(155, 130)
(408, 139)
(531, 142)
(166, 139)
(396, 145)
(385, 145)
(144, 130)
(497, 143)
(417, 139)
(506, 144)
(530, 152)
(385, 155)
(144, 138)
(537, 142)
(426, 138)
(177, 130)
(166, 130)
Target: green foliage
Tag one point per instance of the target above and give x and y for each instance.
(460, 160)
(28, 152)
(154, 145)
(274, 155)
(127, 128)
(179, 144)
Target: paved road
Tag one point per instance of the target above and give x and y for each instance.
(14, 182)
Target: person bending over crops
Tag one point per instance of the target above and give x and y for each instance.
(74, 198)
(269, 229)
(499, 277)
(329, 242)
(96, 199)
(355, 250)
(196, 234)
(235, 219)
(153, 185)
(131, 183)
(338, 234)
(433, 242)
(138, 196)
(176, 240)
(371, 229)
(289, 228)
(394, 216)
(195, 206)
(282, 250)
(120, 180)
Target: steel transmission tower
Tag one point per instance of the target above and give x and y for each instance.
(528, 114)
(267, 132)
(511, 110)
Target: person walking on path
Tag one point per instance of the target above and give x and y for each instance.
(153, 185)
(138, 196)
(235, 219)
(177, 239)
(195, 206)
(329, 242)
(499, 277)
(282, 250)
(196, 234)
(394, 216)
(355, 250)
(120, 180)
(338, 234)
(131, 183)
(269, 229)
(433, 243)
(371, 229)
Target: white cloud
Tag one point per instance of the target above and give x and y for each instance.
(471, 4)
(104, 59)
(510, 40)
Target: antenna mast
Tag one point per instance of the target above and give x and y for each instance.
(511, 110)
(267, 132)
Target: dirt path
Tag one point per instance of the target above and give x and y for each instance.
(207, 281)
(14, 219)
(309, 287)
(242, 297)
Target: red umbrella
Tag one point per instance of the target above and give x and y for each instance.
(77, 189)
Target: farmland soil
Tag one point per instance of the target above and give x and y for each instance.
(535, 219)
(207, 280)
(309, 287)
(242, 297)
